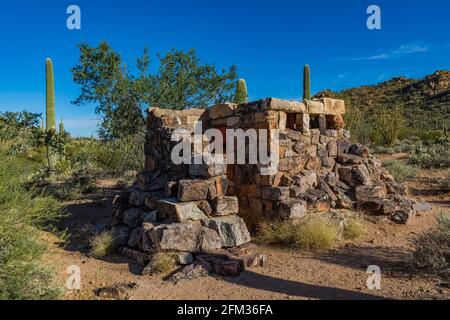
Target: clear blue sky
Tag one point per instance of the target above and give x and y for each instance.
(269, 41)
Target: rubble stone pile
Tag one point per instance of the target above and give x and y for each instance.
(319, 168)
(192, 208)
(182, 209)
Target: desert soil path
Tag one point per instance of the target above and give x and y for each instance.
(289, 274)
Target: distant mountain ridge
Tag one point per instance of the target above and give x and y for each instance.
(426, 101)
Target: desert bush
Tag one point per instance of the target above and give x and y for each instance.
(312, 233)
(401, 170)
(122, 155)
(436, 155)
(404, 146)
(163, 263)
(446, 181)
(73, 188)
(431, 136)
(23, 212)
(356, 121)
(103, 245)
(352, 230)
(96, 156)
(432, 250)
(388, 124)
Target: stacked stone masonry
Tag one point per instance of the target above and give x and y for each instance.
(192, 209)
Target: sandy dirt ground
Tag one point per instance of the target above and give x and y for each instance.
(289, 274)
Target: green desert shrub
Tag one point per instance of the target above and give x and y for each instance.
(400, 169)
(432, 250)
(431, 136)
(388, 124)
(103, 245)
(358, 124)
(312, 233)
(404, 146)
(23, 212)
(74, 187)
(118, 156)
(436, 155)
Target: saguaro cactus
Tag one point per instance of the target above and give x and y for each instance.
(50, 115)
(50, 103)
(306, 83)
(42, 127)
(241, 92)
(61, 127)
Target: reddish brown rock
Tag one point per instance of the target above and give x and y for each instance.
(275, 193)
(205, 207)
(291, 209)
(325, 187)
(315, 136)
(137, 197)
(359, 150)
(171, 189)
(225, 206)
(402, 216)
(350, 159)
(370, 192)
(335, 122)
(176, 211)
(332, 148)
(192, 190)
(232, 230)
(209, 240)
(343, 146)
(395, 188)
(296, 192)
(355, 175)
(344, 202)
(318, 200)
(313, 164)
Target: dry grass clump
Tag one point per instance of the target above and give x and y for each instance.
(400, 170)
(162, 263)
(103, 245)
(432, 250)
(312, 233)
(352, 230)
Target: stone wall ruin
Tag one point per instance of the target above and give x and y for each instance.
(198, 209)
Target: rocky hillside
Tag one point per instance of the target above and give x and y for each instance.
(426, 101)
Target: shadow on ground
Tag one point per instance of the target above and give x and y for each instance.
(85, 218)
(392, 261)
(427, 192)
(302, 290)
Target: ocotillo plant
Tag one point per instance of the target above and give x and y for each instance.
(306, 83)
(241, 92)
(50, 114)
